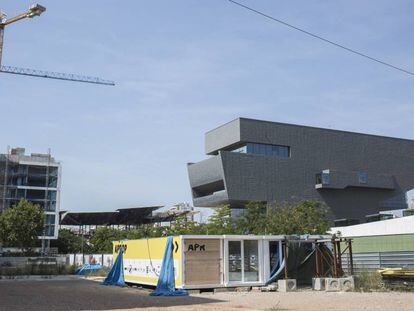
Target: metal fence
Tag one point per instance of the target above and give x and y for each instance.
(69, 259)
(378, 260)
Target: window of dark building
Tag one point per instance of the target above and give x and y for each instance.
(318, 179)
(326, 178)
(264, 149)
(242, 149)
(323, 178)
(362, 177)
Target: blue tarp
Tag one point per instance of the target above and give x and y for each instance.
(166, 281)
(279, 265)
(274, 269)
(88, 268)
(116, 274)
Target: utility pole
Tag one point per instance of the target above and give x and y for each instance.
(1, 35)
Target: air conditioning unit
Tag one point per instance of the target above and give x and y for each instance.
(318, 284)
(287, 285)
(332, 285)
(347, 283)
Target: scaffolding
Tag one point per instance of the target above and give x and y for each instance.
(46, 242)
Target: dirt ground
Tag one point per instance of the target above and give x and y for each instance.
(79, 294)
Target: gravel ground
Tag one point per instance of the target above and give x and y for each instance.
(79, 294)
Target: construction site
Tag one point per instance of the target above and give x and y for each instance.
(296, 214)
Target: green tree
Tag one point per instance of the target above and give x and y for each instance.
(21, 224)
(148, 231)
(253, 219)
(306, 217)
(101, 239)
(221, 221)
(68, 242)
(181, 225)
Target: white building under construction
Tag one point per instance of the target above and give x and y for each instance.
(36, 178)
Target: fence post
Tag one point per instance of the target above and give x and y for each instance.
(380, 261)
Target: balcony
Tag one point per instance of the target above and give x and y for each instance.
(212, 200)
(329, 179)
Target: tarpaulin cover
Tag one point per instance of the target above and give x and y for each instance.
(166, 282)
(116, 274)
(301, 261)
(278, 266)
(88, 268)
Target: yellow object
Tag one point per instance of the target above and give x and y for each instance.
(142, 259)
(396, 272)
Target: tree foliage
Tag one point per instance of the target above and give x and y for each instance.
(221, 222)
(182, 225)
(253, 219)
(21, 224)
(68, 242)
(306, 217)
(101, 239)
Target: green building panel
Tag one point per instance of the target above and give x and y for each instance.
(384, 243)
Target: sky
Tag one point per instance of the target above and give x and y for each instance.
(184, 67)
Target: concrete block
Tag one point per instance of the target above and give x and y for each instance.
(332, 285)
(318, 283)
(193, 291)
(243, 289)
(347, 283)
(287, 285)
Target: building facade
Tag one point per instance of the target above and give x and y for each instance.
(36, 178)
(355, 174)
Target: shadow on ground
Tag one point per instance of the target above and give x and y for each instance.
(82, 295)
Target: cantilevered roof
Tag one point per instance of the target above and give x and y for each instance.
(122, 216)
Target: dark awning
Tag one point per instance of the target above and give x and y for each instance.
(123, 216)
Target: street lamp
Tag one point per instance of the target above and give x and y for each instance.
(34, 10)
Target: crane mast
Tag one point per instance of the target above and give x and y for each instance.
(1, 36)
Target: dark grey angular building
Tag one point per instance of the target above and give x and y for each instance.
(355, 174)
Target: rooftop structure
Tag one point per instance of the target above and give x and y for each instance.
(123, 216)
(355, 174)
(132, 216)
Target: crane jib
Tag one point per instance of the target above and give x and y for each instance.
(54, 75)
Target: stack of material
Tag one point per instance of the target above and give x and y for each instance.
(397, 277)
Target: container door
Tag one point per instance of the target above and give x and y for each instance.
(202, 258)
(251, 261)
(235, 261)
(243, 261)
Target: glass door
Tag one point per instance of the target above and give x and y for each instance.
(243, 261)
(235, 261)
(251, 261)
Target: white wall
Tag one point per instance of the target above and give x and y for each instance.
(76, 259)
(403, 225)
